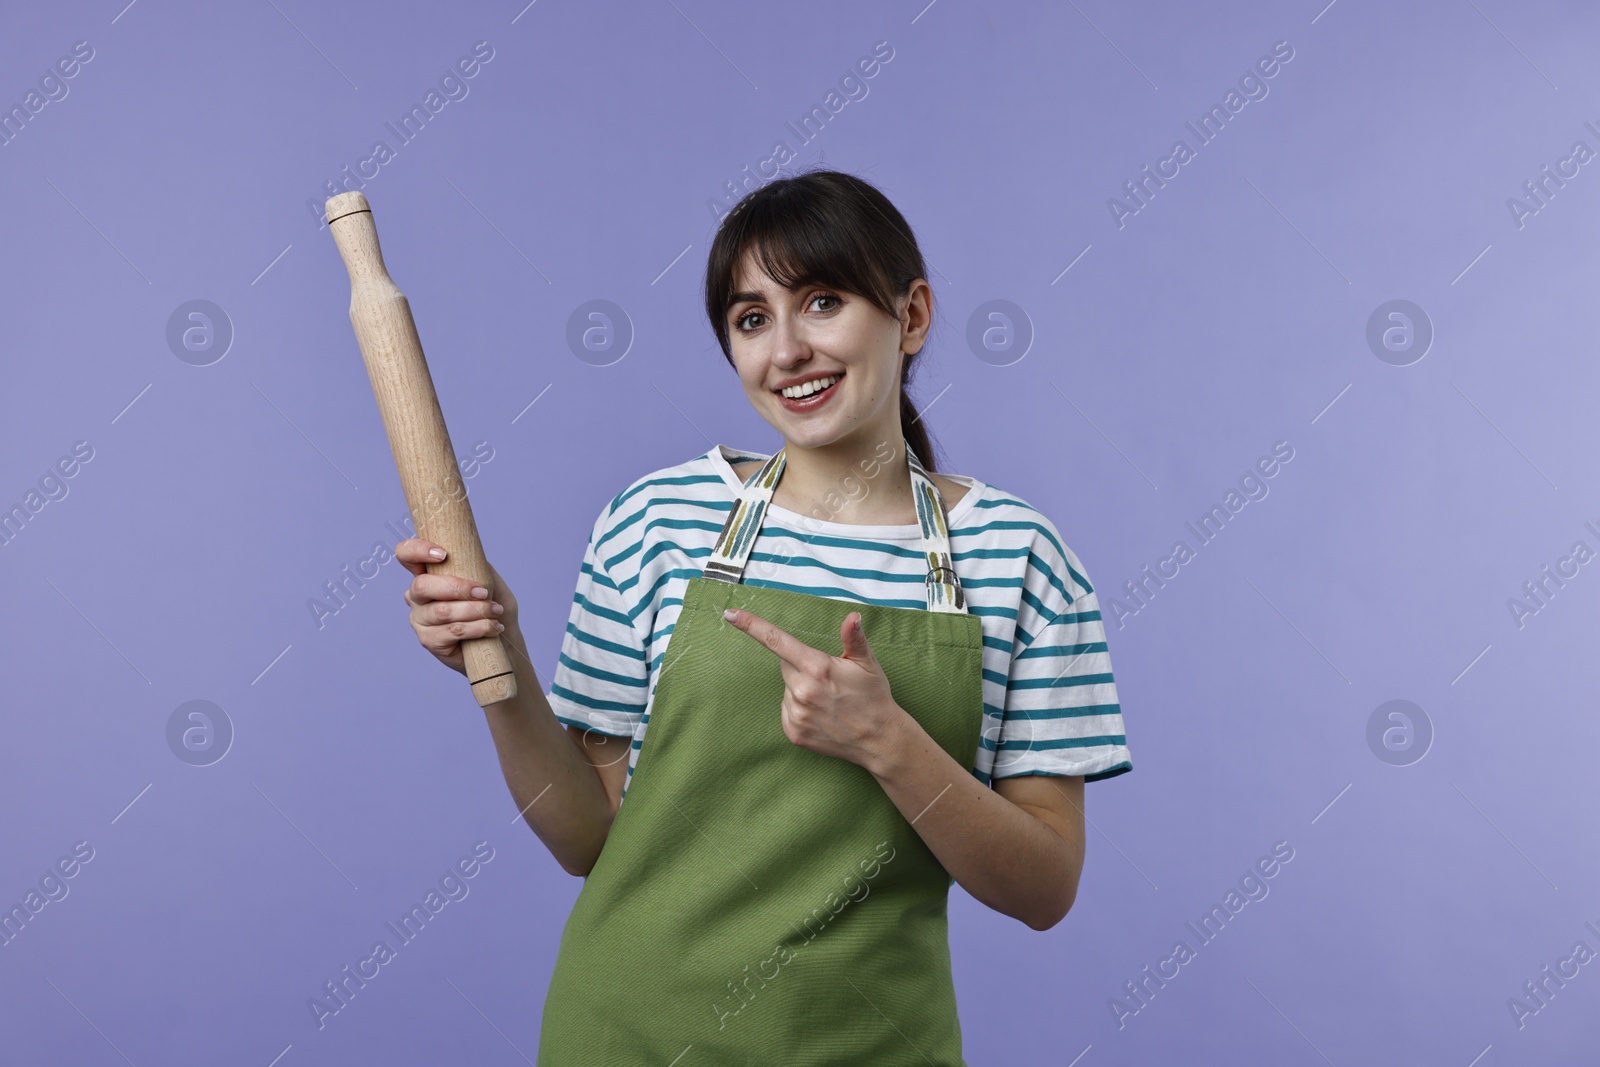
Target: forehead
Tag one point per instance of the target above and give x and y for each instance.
(749, 274)
(752, 282)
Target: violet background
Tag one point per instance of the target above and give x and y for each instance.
(1230, 313)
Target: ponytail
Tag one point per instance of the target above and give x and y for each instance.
(913, 429)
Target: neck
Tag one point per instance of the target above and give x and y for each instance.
(861, 484)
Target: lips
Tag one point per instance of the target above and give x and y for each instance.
(812, 401)
(795, 384)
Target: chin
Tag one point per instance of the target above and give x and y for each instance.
(819, 435)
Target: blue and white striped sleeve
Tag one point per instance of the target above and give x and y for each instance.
(602, 677)
(1061, 713)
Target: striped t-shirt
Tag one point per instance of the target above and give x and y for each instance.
(1050, 703)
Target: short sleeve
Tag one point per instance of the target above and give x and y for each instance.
(602, 677)
(1061, 714)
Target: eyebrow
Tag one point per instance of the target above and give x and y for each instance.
(752, 296)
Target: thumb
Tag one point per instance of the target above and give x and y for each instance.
(853, 639)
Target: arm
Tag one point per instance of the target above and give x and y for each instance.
(567, 790)
(1017, 847)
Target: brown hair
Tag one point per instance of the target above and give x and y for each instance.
(822, 227)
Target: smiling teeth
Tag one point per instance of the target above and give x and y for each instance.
(795, 392)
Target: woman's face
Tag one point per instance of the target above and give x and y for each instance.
(779, 336)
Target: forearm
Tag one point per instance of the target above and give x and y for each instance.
(1004, 856)
(555, 787)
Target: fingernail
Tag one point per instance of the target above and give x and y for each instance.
(497, 608)
(730, 614)
(499, 626)
(436, 553)
(480, 592)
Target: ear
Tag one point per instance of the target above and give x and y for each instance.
(915, 315)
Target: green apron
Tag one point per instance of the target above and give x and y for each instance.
(757, 902)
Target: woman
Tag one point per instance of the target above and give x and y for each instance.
(860, 680)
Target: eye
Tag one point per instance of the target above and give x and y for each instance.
(739, 323)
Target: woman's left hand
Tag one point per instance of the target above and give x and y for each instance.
(835, 705)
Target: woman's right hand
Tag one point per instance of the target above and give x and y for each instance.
(444, 611)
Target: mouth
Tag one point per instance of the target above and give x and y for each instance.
(813, 400)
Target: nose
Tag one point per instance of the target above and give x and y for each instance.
(789, 345)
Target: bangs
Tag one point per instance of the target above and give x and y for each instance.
(799, 252)
(798, 244)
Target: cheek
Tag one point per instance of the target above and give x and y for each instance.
(871, 388)
(749, 374)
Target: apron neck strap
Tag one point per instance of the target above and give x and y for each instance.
(738, 537)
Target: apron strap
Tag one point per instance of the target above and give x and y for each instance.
(738, 537)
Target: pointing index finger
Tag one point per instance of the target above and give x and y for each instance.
(787, 647)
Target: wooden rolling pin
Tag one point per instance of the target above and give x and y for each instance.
(418, 438)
